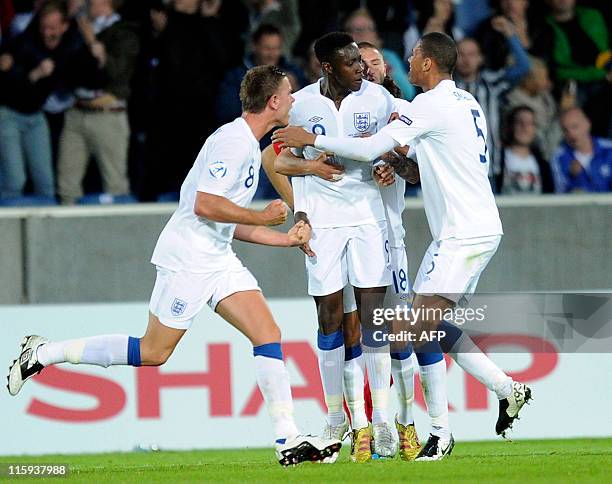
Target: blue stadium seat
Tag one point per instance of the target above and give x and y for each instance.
(105, 199)
(168, 197)
(28, 201)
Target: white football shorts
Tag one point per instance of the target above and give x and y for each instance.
(178, 296)
(451, 268)
(398, 293)
(345, 255)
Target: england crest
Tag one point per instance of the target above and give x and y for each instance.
(178, 307)
(361, 121)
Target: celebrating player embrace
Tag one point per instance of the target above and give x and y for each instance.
(196, 266)
(446, 128)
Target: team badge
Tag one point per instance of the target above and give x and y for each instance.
(178, 307)
(405, 119)
(361, 121)
(217, 169)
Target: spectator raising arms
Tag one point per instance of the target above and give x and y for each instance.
(583, 162)
(535, 91)
(436, 16)
(489, 87)
(38, 62)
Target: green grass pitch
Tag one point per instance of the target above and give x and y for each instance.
(558, 461)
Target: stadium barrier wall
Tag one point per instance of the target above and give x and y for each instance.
(206, 395)
(101, 254)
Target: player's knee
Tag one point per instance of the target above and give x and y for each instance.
(330, 318)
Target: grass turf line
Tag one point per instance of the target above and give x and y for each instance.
(574, 460)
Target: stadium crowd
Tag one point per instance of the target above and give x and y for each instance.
(111, 100)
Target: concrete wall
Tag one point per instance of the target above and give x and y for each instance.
(11, 261)
(97, 254)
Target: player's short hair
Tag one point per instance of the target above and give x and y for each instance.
(367, 45)
(258, 85)
(442, 49)
(264, 29)
(328, 45)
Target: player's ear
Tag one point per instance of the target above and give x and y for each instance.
(326, 67)
(427, 64)
(274, 101)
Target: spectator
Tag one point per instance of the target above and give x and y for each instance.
(523, 168)
(391, 17)
(317, 17)
(192, 58)
(583, 162)
(313, 66)
(361, 26)
(490, 87)
(97, 124)
(436, 16)
(535, 91)
(38, 62)
(535, 36)
(267, 48)
(282, 14)
(580, 49)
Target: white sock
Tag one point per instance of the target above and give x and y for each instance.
(469, 357)
(403, 381)
(378, 364)
(433, 380)
(106, 350)
(354, 382)
(331, 366)
(273, 381)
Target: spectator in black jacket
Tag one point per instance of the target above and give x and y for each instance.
(39, 62)
(191, 58)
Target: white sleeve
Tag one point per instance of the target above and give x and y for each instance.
(416, 118)
(299, 197)
(223, 166)
(359, 149)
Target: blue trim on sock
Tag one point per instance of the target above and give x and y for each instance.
(402, 354)
(453, 333)
(133, 350)
(352, 352)
(281, 441)
(429, 353)
(269, 350)
(328, 342)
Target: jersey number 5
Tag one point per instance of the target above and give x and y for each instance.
(480, 134)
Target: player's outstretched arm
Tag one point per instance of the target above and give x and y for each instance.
(289, 164)
(298, 235)
(279, 181)
(220, 209)
(360, 149)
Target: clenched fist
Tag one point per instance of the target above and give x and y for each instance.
(275, 213)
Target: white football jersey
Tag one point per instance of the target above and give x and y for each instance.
(227, 166)
(355, 199)
(447, 129)
(393, 200)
